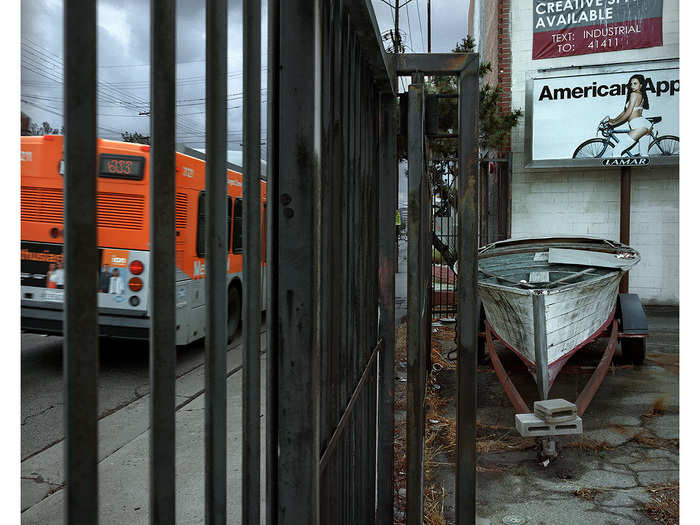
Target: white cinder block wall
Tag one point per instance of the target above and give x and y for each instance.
(587, 202)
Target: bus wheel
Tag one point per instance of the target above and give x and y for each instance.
(234, 312)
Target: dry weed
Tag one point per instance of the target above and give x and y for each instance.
(659, 407)
(586, 493)
(643, 438)
(619, 429)
(664, 506)
(585, 443)
(434, 506)
(498, 438)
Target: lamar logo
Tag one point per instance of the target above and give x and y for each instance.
(626, 161)
(118, 261)
(188, 172)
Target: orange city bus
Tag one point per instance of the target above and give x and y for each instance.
(123, 229)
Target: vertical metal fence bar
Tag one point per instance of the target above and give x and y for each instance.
(353, 95)
(331, 281)
(251, 264)
(387, 256)
(416, 292)
(162, 266)
(356, 312)
(346, 89)
(468, 315)
(273, 199)
(373, 300)
(336, 173)
(216, 247)
(298, 451)
(363, 218)
(80, 344)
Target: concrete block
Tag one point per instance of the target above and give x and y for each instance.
(529, 425)
(554, 411)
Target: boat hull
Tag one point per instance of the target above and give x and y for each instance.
(544, 324)
(572, 316)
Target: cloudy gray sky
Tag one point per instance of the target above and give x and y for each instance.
(123, 67)
(448, 19)
(123, 60)
(449, 25)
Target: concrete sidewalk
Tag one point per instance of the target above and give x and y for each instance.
(123, 459)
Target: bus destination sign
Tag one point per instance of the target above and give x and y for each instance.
(121, 166)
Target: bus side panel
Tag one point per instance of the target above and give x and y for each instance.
(122, 205)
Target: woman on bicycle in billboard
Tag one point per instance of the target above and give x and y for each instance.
(639, 126)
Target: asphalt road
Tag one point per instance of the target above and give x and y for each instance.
(123, 379)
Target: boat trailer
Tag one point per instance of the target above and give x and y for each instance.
(628, 324)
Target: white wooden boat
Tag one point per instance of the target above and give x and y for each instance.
(546, 297)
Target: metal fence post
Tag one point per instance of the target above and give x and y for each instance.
(162, 266)
(216, 247)
(298, 162)
(251, 264)
(415, 417)
(273, 199)
(387, 258)
(468, 315)
(80, 343)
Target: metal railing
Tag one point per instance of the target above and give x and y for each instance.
(333, 154)
(465, 67)
(331, 204)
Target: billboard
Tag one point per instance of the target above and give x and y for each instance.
(577, 27)
(567, 117)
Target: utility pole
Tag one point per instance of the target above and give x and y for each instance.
(397, 36)
(428, 26)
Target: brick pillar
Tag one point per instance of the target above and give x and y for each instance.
(504, 61)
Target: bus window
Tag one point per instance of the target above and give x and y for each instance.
(201, 231)
(201, 223)
(238, 226)
(228, 221)
(263, 237)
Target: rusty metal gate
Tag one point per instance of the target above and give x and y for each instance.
(494, 199)
(444, 246)
(420, 240)
(494, 189)
(331, 205)
(333, 148)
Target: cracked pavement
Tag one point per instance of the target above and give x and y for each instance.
(600, 477)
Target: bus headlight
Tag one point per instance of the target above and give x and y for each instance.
(134, 301)
(135, 284)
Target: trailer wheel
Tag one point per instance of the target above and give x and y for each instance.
(234, 312)
(634, 349)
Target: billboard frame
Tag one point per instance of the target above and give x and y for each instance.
(585, 70)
